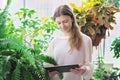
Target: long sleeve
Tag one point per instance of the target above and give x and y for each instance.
(88, 60)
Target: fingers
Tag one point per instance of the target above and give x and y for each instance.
(80, 65)
(53, 73)
(75, 71)
(79, 70)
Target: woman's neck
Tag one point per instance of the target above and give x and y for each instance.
(66, 33)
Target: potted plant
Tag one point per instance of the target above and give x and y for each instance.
(95, 17)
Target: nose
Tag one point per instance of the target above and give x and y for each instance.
(62, 25)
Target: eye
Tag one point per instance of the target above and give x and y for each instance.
(65, 21)
(58, 23)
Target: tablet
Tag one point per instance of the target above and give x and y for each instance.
(61, 69)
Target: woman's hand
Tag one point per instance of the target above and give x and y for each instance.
(53, 73)
(78, 71)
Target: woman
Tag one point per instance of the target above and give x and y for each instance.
(70, 46)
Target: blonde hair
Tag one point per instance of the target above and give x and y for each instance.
(75, 39)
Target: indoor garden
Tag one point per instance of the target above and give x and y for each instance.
(24, 42)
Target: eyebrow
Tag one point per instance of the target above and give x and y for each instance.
(64, 20)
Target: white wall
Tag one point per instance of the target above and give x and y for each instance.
(2, 3)
(46, 7)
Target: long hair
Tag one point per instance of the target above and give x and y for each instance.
(75, 39)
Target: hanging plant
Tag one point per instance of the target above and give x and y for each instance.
(95, 17)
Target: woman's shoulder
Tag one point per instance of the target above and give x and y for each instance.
(84, 36)
(86, 39)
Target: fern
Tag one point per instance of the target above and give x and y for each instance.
(35, 74)
(18, 62)
(12, 44)
(6, 66)
(24, 76)
(3, 19)
(16, 72)
(41, 69)
(50, 60)
(47, 59)
(18, 52)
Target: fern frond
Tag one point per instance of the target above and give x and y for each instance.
(25, 74)
(13, 44)
(35, 74)
(3, 19)
(40, 69)
(50, 60)
(9, 43)
(6, 66)
(47, 59)
(16, 72)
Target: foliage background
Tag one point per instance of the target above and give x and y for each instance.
(21, 60)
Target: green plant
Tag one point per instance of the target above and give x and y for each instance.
(99, 68)
(101, 73)
(114, 74)
(18, 61)
(3, 19)
(95, 17)
(38, 31)
(115, 47)
(115, 3)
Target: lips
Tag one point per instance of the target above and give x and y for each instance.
(63, 27)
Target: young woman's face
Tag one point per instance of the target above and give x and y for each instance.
(64, 22)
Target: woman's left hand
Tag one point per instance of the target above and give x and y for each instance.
(79, 71)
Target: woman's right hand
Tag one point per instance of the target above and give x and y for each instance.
(53, 73)
(79, 70)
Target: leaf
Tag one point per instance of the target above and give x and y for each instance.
(91, 30)
(16, 73)
(115, 47)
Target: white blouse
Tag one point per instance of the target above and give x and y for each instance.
(59, 50)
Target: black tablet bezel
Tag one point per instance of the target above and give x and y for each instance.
(61, 69)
